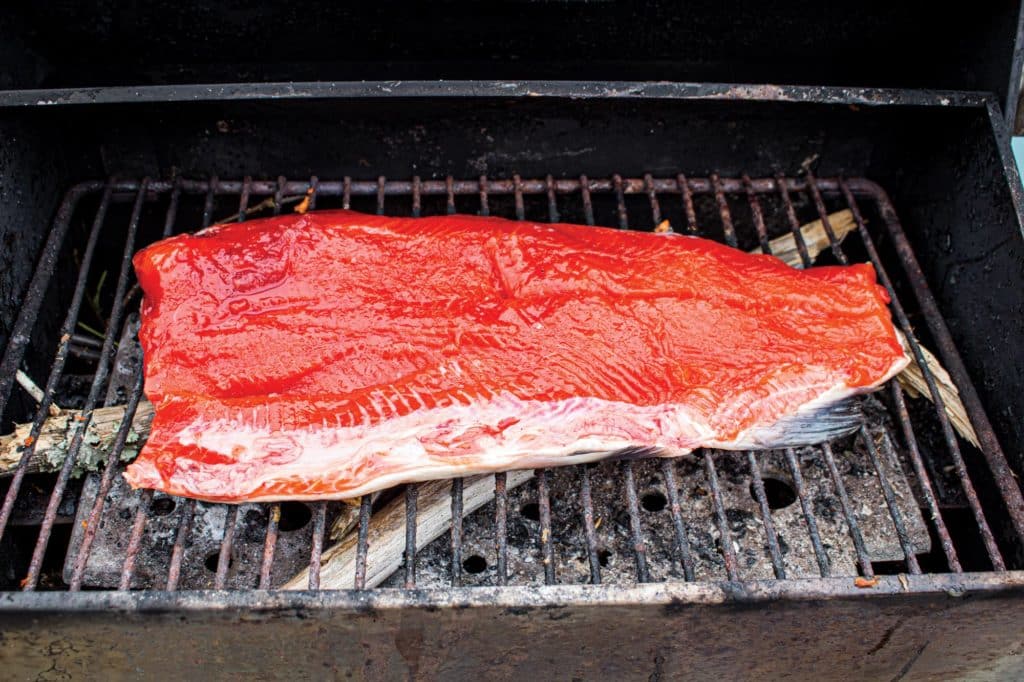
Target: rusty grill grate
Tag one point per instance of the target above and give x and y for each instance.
(900, 496)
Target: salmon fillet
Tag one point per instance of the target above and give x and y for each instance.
(328, 355)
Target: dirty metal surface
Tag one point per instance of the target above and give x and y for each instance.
(615, 544)
(900, 630)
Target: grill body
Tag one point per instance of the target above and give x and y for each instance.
(929, 171)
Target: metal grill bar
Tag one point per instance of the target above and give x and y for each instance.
(1011, 493)
(456, 532)
(411, 498)
(805, 504)
(284, 192)
(224, 556)
(270, 545)
(724, 532)
(28, 312)
(365, 506)
(771, 538)
(923, 479)
(105, 481)
(848, 513)
(317, 542)
(67, 329)
(635, 531)
(501, 526)
(589, 531)
(682, 543)
(547, 547)
(135, 541)
(98, 382)
(180, 537)
(890, 502)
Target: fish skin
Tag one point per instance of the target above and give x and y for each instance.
(331, 354)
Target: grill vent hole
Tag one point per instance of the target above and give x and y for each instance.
(213, 560)
(474, 564)
(294, 515)
(162, 506)
(653, 501)
(602, 557)
(530, 510)
(779, 493)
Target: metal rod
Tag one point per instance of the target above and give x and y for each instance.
(346, 193)
(28, 311)
(135, 540)
(270, 545)
(914, 454)
(279, 194)
(758, 215)
(243, 201)
(449, 187)
(589, 531)
(365, 507)
(314, 187)
(411, 496)
(682, 543)
(552, 202)
(794, 223)
(456, 532)
(808, 509)
(211, 192)
(501, 525)
(770, 536)
(683, 185)
(98, 382)
(495, 186)
(728, 551)
(93, 523)
(517, 186)
(317, 541)
(723, 211)
(620, 201)
(588, 204)
(380, 195)
(1008, 486)
(819, 205)
(546, 545)
(848, 513)
(636, 534)
(57, 369)
(226, 542)
(180, 537)
(417, 200)
(652, 196)
(485, 210)
(890, 502)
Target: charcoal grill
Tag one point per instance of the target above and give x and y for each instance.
(896, 552)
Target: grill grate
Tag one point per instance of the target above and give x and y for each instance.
(742, 212)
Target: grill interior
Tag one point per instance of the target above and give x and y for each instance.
(904, 495)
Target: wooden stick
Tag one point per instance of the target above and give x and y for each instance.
(386, 534)
(55, 437)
